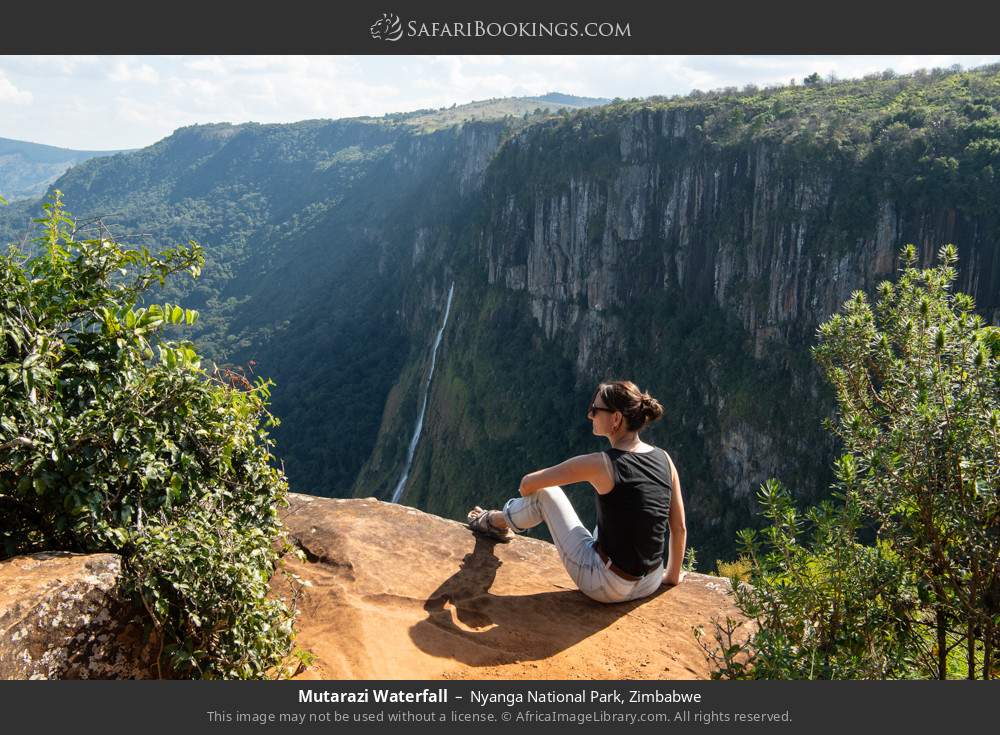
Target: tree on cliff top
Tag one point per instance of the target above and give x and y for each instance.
(114, 439)
(918, 389)
(918, 393)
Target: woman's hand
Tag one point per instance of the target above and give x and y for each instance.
(671, 582)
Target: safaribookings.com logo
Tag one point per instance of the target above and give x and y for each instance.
(387, 28)
(390, 28)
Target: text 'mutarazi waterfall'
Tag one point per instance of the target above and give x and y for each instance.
(401, 485)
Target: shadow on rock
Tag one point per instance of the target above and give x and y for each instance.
(467, 622)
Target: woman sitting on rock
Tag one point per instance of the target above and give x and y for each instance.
(638, 496)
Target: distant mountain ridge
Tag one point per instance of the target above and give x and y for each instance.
(496, 108)
(28, 169)
(559, 98)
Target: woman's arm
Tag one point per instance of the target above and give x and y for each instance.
(584, 468)
(678, 529)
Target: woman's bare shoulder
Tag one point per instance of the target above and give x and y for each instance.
(593, 459)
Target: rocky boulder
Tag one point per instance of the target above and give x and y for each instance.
(394, 593)
(61, 618)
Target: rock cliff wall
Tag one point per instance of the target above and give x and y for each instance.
(604, 231)
(746, 226)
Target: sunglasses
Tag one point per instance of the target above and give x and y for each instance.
(594, 409)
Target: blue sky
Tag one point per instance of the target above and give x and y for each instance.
(110, 102)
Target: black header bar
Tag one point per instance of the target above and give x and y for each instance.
(510, 27)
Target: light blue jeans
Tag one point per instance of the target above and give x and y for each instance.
(576, 546)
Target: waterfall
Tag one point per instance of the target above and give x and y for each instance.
(411, 450)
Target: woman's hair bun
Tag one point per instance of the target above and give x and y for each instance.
(651, 408)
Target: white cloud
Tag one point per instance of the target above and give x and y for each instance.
(106, 102)
(11, 94)
(123, 71)
(54, 65)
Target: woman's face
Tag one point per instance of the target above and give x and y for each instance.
(602, 418)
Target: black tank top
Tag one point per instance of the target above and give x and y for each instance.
(632, 517)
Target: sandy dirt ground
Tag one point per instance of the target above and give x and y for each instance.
(393, 593)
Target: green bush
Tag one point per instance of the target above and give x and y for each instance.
(819, 604)
(115, 439)
(918, 391)
(918, 388)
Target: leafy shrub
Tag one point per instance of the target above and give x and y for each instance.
(819, 604)
(918, 392)
(690, 560)
(918, 387)
(113, 439)
(206, 578)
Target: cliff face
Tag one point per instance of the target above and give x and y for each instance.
(604, 234)
(609, 269)
(745, 226)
